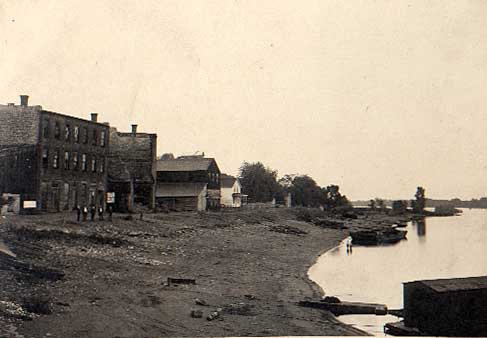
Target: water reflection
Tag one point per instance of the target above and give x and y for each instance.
(455, 247)
(420, 225)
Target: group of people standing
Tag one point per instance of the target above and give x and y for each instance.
(83, 211)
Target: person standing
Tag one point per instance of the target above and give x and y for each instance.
(92, 212)
(85, 213)
(78, 211)
(110, 212)
(100, 213)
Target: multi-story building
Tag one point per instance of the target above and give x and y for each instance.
(51, 161)
(189, 183)
(132, 169)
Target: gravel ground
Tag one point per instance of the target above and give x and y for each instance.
(109, 279)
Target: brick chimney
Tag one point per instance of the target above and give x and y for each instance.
(24, 100)
(94, 117)
(134, 129)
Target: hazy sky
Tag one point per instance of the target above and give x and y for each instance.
(376, 96)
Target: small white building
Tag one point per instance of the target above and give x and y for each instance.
(231, 192)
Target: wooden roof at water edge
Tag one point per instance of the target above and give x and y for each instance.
(454, 284)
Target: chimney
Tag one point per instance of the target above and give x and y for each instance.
(94, 117)
(134, 129)
(24, 100)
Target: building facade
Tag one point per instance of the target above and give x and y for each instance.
(188, 183)
(231, 192)
(52, 161)
(132, 169)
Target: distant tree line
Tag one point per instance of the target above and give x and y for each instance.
(261, 184)
(401, 206)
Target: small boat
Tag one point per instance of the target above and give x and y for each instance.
(377, 237)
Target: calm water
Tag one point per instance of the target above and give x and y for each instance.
(441, 247)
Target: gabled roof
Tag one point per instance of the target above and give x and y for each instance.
(185, 164)
(455, 284)
(227, 181)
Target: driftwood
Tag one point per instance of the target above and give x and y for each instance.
(347, 308)
(180, 281)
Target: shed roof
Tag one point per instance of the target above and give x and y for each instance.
(185, 164)
(227, 181)
(455, 284)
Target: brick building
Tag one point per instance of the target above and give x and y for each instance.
(51, 161)
(132, 168)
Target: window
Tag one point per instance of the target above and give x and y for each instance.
(85, 135)
(67, 132)
(83, 162)
(102, 138)
(45, 158)
(93, 164)
(66, 160)
(55, 159)
(57, 130)
(75, 161)
(76, 134)
(95, 137)
(45, 130)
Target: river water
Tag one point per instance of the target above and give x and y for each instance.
(441, 247)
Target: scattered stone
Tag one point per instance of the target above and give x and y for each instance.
(10, 309)
(241, 309)
(200, 302)
(214, 315)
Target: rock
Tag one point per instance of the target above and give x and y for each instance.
(200, 302)
(196, 313)
(10, 309)
(213, 315)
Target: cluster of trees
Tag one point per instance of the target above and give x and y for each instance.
(399, 206)
(262, 185)
(458, 203)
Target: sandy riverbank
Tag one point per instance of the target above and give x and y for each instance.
(109, 279)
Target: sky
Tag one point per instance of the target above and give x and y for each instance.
(375, 96)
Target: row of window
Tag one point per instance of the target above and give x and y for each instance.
(73, 161)
(213, 177)
(75, 134)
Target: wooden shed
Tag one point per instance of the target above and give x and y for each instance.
(447, 307)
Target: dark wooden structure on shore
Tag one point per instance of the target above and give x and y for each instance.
(447, 307)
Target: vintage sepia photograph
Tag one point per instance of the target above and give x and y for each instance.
(243, 168)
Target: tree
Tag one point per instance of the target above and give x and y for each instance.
(259, 182)
(333, 198)
(372, 204)
(379, 202)
(419, 202)
(303, 189)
